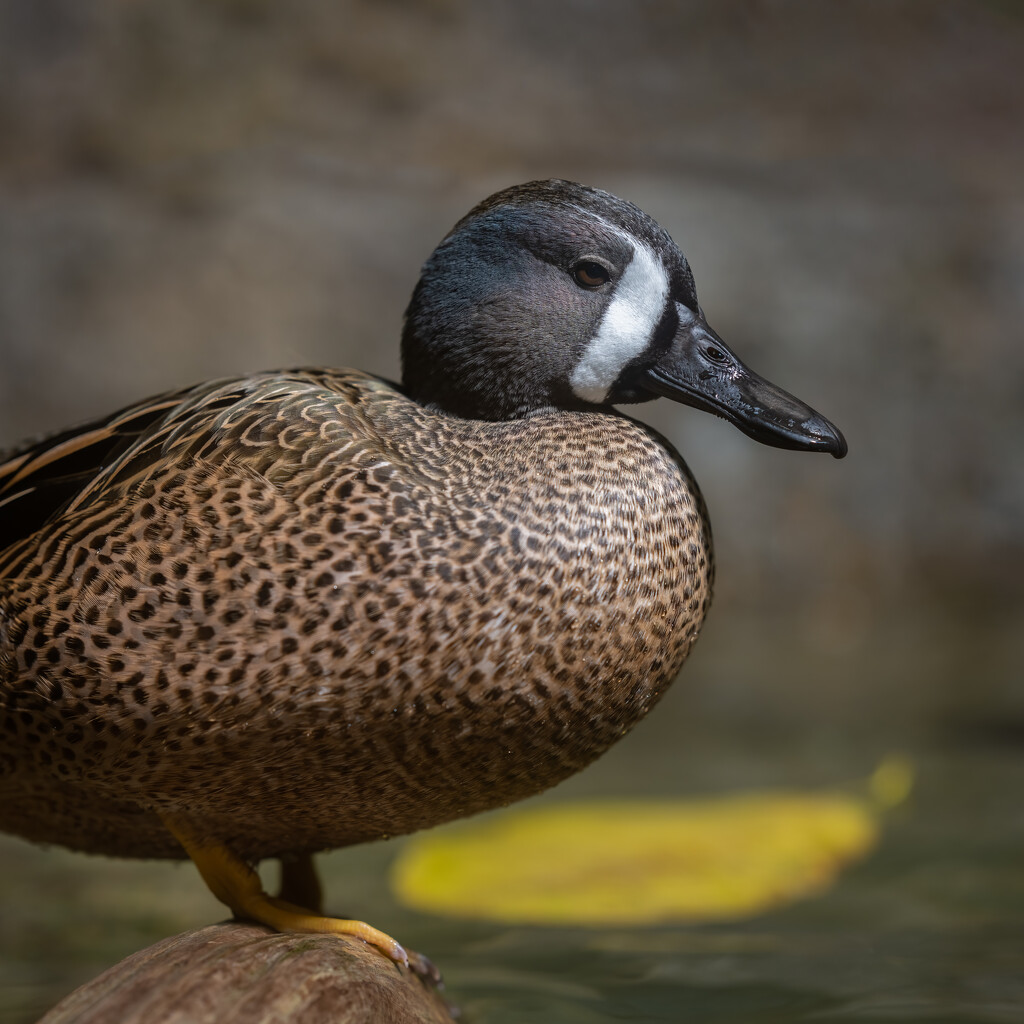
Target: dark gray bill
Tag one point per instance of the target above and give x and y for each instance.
(700, 370)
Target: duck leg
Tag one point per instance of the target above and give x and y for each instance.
(238, 886)
(300, 883)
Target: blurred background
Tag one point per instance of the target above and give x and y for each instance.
(217, 186)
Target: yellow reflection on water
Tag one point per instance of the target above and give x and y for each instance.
(644, 862)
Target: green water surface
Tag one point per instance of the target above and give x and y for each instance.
(930, 927)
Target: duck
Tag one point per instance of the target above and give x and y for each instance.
(273, 615)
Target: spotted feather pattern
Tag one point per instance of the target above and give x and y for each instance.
(305, 611)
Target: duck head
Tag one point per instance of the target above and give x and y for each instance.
(553, 295)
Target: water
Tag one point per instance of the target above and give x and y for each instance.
(928, 928)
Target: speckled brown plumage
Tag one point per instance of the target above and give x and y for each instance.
(299, 610)
(325, 614)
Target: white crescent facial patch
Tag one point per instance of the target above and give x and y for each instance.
(627, 326)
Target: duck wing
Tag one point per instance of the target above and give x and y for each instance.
(46, 478)
(39, 479)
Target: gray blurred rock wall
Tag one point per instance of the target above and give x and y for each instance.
(215, 186)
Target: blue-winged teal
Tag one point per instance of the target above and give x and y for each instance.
(268, 616)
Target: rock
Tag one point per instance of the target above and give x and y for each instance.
(247, 974)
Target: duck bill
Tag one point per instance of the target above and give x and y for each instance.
(700, 370)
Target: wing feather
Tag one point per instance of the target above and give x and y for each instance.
(57, 474)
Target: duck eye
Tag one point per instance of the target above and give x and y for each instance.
(590, 274)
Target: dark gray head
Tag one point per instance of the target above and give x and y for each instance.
(552, 295)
